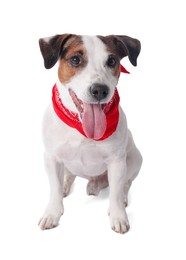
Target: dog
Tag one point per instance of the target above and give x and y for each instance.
(84, 129)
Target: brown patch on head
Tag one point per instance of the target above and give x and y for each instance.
(112, 51)
(110, 43)
(116, 70)
(51, 48)
(123, 46)
(63, 47)
(72, 50)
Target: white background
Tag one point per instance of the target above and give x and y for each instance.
(153, 97)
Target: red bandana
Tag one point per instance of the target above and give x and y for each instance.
(70, 118)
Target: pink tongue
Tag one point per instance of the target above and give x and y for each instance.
(93, 121)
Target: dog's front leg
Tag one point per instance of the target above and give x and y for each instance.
(55, 208)
(117, 172)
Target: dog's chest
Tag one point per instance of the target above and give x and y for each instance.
(83, 158)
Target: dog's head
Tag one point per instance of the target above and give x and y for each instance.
(89, 67)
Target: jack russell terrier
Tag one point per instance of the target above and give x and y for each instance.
(85, 130)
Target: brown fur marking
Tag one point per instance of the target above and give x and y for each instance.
(74, 46)
(112, 49)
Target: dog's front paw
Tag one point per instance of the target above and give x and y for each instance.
(50, 218)
(48, 222)
(119, 222)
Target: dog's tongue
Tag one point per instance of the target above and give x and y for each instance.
(93, 121)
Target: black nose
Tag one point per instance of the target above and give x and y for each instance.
(99, 91)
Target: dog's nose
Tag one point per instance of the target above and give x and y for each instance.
(99, 91)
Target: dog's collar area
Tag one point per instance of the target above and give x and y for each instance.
(111, 111)
(70, 118)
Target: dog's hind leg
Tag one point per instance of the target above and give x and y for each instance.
(97, 183)
(68, 181)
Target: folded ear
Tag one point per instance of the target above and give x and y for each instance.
(128, 46)
(51, 48)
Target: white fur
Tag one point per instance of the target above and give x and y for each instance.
(68, 152)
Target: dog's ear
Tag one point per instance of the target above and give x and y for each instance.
(51, 48)
(127, 46)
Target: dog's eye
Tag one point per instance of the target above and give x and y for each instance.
(75, 61)
(111, 62)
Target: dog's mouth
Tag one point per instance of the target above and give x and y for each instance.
(92, 115)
